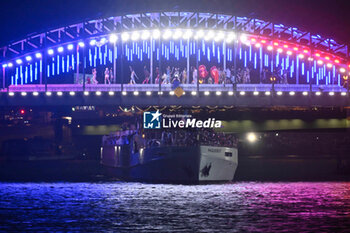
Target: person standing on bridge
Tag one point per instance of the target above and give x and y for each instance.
(107, 81)
(132, 76)
(194, 75)
(94, 75)
(147, 74)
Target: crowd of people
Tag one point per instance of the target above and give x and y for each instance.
(200, 74)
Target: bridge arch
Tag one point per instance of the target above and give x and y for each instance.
(158, 39)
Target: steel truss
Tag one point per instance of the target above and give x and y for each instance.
(141, 21)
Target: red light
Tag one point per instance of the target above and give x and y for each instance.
(336, 61)
(317, 55)
(22, 111)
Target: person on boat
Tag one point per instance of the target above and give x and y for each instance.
(94, 75)
(147, 74)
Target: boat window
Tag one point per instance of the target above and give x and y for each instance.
(228, 154)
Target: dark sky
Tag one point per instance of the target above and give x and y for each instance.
(330, 18)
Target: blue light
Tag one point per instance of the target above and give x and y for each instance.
(308, 77)
(58, 64)
(302, 68)
(26, 75)
(31, 73)
(21, 74)
(250, 53)
(245, 58)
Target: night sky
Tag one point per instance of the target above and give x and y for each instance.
(330, 18)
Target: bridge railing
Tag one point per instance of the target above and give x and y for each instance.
(170, 87)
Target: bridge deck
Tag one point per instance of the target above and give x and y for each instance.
(168, 87)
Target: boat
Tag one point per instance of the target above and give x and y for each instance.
(173, 156)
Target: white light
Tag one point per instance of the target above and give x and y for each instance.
(331, 93)
(35, 93)
(23, 93)
(218, 93)
(289, 53)
(177, 34)
(4, 65)
(38, 55)
(72, 93)
(136, 93)
(258, 45)
(279, 93)
(243, 38)
(210, 35)
(19, 61)
(92, 42)
(148, 93)
(50, 51)
(305, 93)
(230, 93)
(279, 50)
(124, 93)
(135, 36)
(156, 34)
(59, 93)
(28, 58)
(220, 36)
(70, 47)
(86, 93)
(167, 34)
(125, 36)
(111, 93)
(98, 93)
(160, 93)
(188, 34)
(343, 93)
(171, 93)
(145, 35)
(329, 65)
(103, 40)
(193, 93)
(318, 93)
(199, 34)
(206, 93)
(242, 93)
(320, 62)
(81, 44)
(10, 64)
(255, 93)
(60, 49)
(301, 56)
(230, 37)
(48, 93)
(251, 137)
(342, 70)
(269, 47)
(113, 38)
(11, 93)
(267, 93)
(292, 93)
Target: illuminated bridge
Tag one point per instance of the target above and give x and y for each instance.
(218, 59)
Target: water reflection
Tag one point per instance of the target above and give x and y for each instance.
(145, 207)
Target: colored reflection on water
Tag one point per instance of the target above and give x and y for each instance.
(246, 206)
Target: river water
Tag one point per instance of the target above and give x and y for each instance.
(135, 207)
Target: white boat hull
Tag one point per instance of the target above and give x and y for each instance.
(176, 164)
